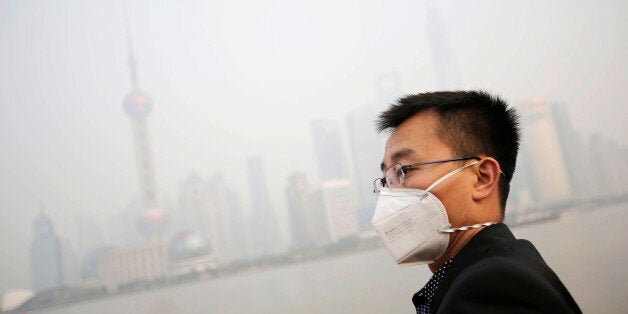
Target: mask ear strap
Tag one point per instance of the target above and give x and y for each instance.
(445, 177)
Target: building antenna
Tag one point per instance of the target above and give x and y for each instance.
(131, 61)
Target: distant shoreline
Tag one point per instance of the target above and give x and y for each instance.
(68, 296)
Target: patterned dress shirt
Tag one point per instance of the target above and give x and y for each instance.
(423, 299)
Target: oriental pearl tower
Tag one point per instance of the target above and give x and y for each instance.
(137, 104)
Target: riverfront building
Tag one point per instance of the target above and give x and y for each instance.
(340, 207)
(45, 255)
(140, 263)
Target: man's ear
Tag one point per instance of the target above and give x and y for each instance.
(488, 174)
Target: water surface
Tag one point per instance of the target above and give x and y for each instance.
(586, 249)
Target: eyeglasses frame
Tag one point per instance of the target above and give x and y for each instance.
(405, 167)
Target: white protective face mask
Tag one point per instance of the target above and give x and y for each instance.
(413, 223)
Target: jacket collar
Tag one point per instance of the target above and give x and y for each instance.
(470, 253)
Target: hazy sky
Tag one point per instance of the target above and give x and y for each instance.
(234, 79)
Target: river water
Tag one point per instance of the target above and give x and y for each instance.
(587, 249)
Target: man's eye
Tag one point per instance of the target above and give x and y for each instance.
(407, 169)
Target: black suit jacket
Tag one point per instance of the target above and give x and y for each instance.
(496, 273)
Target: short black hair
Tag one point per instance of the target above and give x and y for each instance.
(471, 122)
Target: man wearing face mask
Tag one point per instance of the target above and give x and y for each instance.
(447, 168)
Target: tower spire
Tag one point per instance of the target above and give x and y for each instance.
(131, 60)
(138, 105)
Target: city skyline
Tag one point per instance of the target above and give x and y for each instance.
(208, 206)
(66, 142)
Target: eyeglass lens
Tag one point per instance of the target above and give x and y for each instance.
(394, 176)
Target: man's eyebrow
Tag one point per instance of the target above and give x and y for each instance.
(398, 155)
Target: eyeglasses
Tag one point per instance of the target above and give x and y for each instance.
(394, 175)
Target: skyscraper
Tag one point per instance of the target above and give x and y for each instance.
(306, 214)
(337, 195)
(265, 235)
(366, 153)
(442, 57)
(572, 149)
(193, 199)
(328, 149)
(226, 207)
(319, 218)
(548, 177)
(212, 209)
(298, 207)
(340, 208)
(45, 255)
(138, 105)
(607, 165)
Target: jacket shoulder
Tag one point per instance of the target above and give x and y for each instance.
(511, 277)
